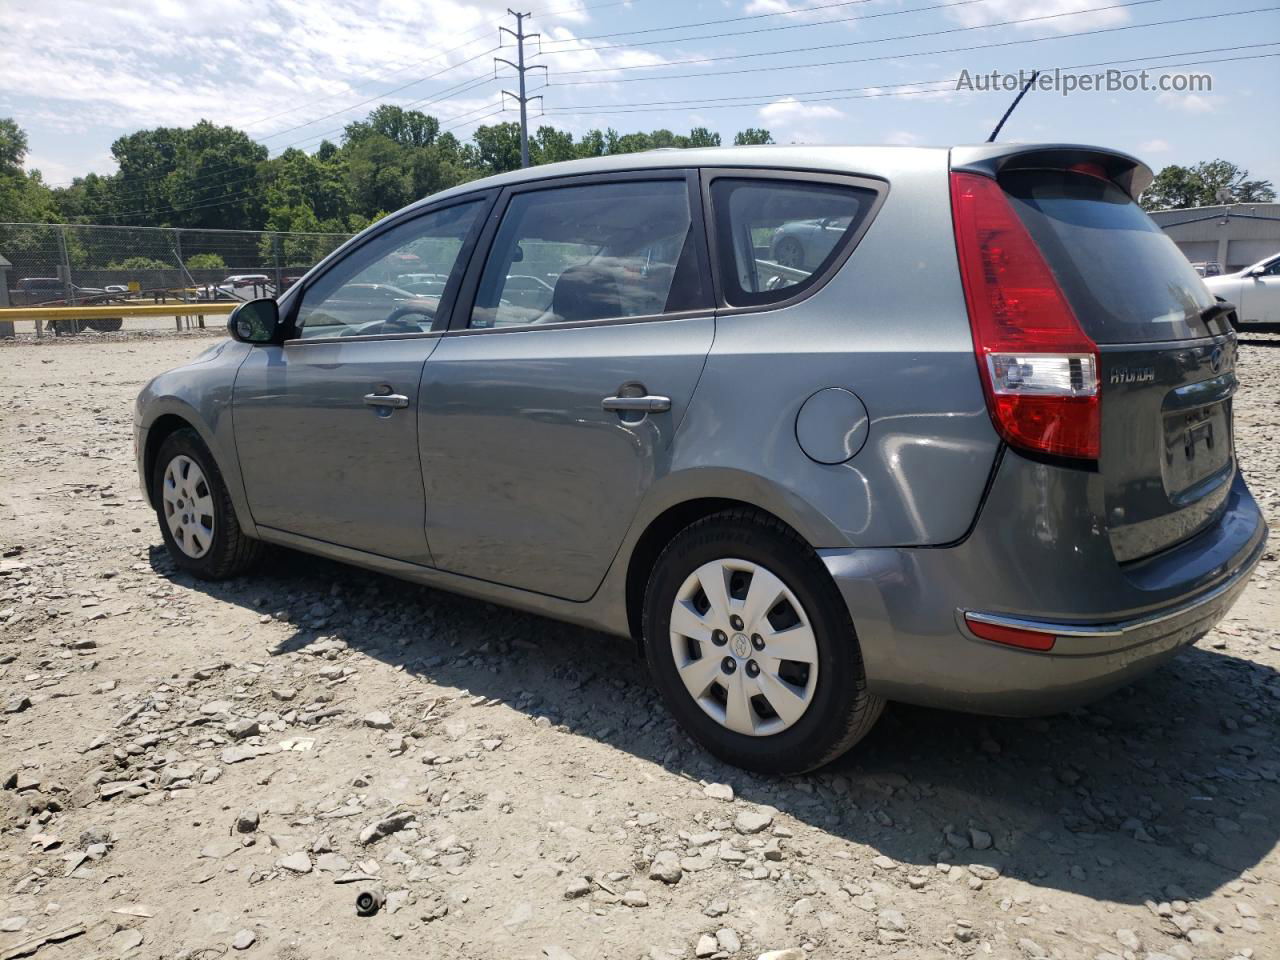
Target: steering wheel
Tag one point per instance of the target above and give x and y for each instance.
(395, 322)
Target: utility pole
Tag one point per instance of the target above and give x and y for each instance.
(521, 70)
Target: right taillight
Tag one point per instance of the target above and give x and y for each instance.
(1039, 369)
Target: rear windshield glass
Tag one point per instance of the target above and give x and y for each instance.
(1124, 277)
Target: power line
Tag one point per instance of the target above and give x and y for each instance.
(403, 86)
(856, 94)
(889, 56)
(796, 11)
(474, 36)
(805, 26)
(880, 89)
(847, 43)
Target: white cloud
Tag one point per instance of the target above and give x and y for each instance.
(791, 121)
(1154, 146)
(565, 52)
(999, 11)
(825, 10)
(262, 65)
(1188, 102)
(902, 138)
(789, 110)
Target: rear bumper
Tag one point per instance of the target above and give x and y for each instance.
(140, 459)
(1111, 624)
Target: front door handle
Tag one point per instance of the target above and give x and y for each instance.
(394, 401)
(637, 404)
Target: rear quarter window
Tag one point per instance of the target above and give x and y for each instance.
(776, 238)
(1125, 279)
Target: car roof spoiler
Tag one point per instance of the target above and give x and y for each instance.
(989, 159)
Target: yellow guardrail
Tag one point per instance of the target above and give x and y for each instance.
(118, 310)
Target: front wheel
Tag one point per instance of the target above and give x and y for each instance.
(197, 519)
(752, 646)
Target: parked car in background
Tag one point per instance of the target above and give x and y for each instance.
(54, 292)
(1207, 268)
(238, 286)
(975, 453)
(1254, 290)
(806, 243)
(31, 291)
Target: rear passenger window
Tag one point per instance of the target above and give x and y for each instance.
(775, 237)
(601, 251)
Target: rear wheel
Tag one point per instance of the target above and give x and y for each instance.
(752, 646)
(789, 253)
(103, 324)
(197, 519)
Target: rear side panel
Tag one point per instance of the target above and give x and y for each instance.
(891, 327)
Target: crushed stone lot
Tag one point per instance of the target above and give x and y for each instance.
(204, 770)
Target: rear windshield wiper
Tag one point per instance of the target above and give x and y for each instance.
(1211, 313)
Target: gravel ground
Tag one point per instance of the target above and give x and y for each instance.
(194, 770)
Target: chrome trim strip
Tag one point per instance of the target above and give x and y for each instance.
(1120, 628)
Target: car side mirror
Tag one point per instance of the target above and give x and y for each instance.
(255, 321)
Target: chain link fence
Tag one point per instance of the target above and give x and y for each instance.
(43, 264)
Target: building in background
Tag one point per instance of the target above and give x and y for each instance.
(1233, 235)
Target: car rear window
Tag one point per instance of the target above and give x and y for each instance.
(1124, 277)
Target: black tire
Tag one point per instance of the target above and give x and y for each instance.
(103, 324)
(841, 711)
(789, 253)
(231, 552)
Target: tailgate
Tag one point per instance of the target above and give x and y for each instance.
(1166, 374)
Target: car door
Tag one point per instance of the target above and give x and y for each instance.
(326, 423)
(549, 408)
(1262, 295)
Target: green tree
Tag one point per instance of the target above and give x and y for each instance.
(550, 145)
(1176, 187)
(205, 261)
(497, 147)
(752, 135)
(379, 174)
(702, 137)
(218, 178)
(24, 197)
(139, 263)
(13, 148)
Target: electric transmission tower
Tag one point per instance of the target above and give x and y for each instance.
(522, 98)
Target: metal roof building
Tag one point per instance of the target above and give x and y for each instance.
(1234, 235)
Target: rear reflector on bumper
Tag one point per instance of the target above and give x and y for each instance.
(1010, 636)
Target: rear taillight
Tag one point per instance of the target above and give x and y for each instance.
(1038, 367)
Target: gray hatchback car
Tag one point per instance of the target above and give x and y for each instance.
(976, 454)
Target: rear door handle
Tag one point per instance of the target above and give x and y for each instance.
(395, 401)
(637, 404)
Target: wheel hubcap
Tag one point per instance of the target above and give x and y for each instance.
(744, 647)
(188, 506)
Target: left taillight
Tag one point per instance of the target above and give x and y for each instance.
(1038, 367)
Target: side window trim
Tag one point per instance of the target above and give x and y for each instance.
(448, 297)
(709, 174)
(462, 305)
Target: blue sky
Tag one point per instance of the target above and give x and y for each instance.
(76, 74)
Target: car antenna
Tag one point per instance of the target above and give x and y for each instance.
(1012, 107)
